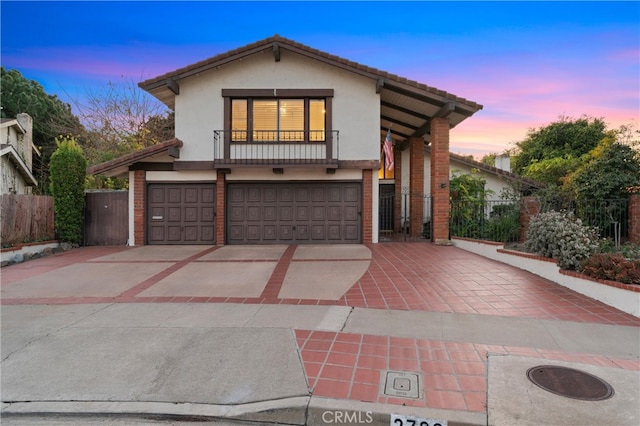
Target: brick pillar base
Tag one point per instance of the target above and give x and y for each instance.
(529, 207)
(634, 218)
(367, 209)
(139, 191)
(220, 208)
(440, 180)
(416, 186)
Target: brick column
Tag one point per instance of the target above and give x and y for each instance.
(397, 199)
(367, 209)
(416, 186)
(440, 180)
(220, 208)
(634, 218)
(529, 207)
(139, 207)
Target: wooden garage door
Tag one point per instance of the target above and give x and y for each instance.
(181, 213)
(297, 213)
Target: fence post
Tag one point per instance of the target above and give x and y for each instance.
(529, 206)
(634, 218)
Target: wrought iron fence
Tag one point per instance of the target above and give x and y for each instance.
(609, 217)
(499, 220)
(393, 227)
(494, 220)
(278, 147)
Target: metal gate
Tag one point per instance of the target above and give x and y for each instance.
(392, 228)
(106, 218)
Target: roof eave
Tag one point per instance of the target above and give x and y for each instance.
(159, 86)
(120, 166)
(21, 166)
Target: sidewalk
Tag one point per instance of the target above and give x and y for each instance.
(255, 359)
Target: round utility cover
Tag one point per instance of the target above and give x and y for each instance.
(570, 383)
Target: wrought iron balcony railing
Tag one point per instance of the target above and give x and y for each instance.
(276, 148)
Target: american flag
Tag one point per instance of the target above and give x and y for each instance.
(388, 151)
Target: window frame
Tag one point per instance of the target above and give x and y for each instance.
(277, 94)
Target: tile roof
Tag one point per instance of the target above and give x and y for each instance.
(134, 157)
(281, 42)
(530, 183)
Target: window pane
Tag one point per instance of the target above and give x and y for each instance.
(265, 120)
(238, 120)
(291, 120)
(316, 120)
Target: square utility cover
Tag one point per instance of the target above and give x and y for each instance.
(403, 384)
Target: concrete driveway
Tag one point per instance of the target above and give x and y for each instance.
(182, 332)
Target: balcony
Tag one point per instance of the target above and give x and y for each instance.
(277, 149)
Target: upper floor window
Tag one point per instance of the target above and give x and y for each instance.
(297, 116)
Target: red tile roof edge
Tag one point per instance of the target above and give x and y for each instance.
(284, 43)
(133, 157)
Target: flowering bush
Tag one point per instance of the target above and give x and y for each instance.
(612, 266)
(559, 235)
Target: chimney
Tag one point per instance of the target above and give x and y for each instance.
(503, 162)
(26, 147)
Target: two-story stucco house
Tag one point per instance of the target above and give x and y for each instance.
(277, 142)
(16, 153)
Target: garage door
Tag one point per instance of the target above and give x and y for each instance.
(181, 213)
(271, 213)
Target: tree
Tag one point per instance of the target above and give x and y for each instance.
(68, 172)
(51, 116)
(611, 168)
(120, 119)
(551, 171)
(489, 159)
(468, 199)
(566, 139)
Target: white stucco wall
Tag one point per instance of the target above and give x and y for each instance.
(356, 106)
(194, 176)
(494, 183)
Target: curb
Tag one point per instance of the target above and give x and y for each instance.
(291, 411)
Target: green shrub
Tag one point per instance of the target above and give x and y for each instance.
(561, 236)
(612, 266)
(504, 223)
(68, 171)
(628, 250)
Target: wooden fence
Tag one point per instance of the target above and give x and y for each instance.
(26, 218)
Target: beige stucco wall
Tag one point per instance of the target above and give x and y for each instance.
(356, 106)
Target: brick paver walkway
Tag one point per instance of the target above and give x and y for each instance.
(403, 276)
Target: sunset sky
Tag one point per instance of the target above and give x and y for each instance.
(526, 62)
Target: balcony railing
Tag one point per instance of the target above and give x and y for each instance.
(276, 148)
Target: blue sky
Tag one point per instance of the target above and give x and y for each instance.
(526, 62)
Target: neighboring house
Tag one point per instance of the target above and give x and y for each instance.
(16, 150)
(277, 142)
(498, 179)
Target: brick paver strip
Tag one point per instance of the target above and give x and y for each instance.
(133, 291)
(454, 372)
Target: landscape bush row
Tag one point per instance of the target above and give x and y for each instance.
(563, 237)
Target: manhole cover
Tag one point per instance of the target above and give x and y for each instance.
(570, 383)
